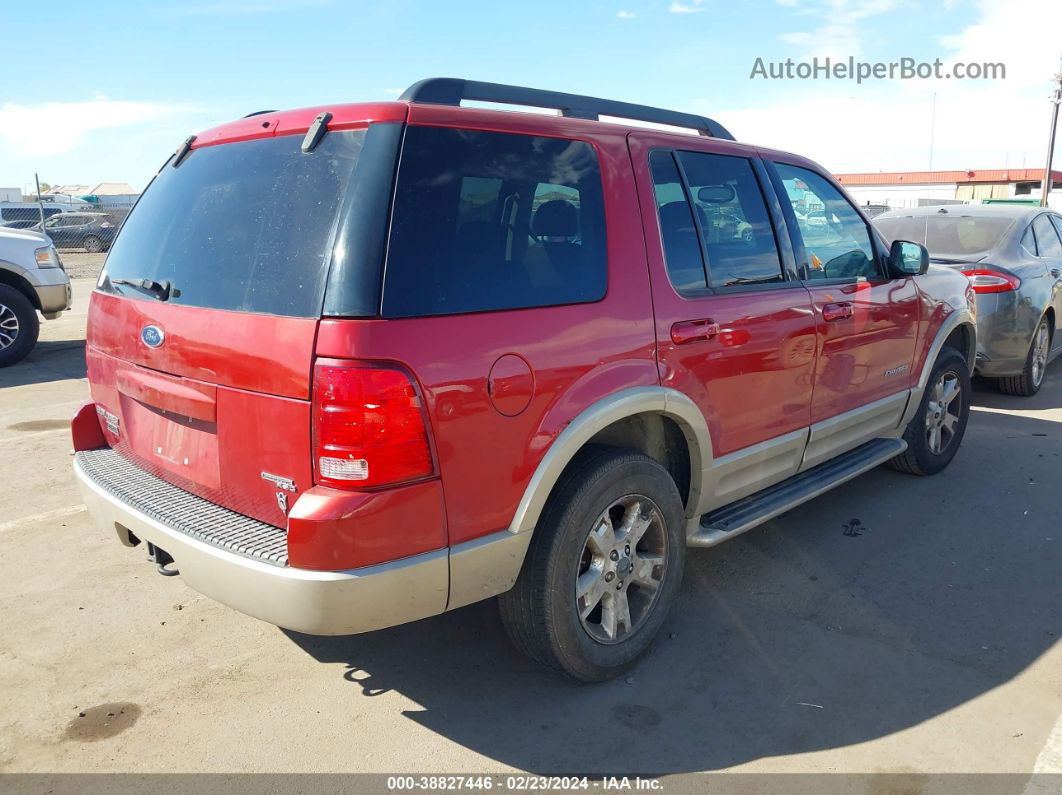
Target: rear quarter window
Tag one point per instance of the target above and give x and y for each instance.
(492, 221)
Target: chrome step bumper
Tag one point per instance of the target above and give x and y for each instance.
(314, 602)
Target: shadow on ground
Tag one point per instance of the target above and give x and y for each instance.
(800, 635)
(50, 360)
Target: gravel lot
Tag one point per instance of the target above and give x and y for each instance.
(923, 638)
(81, 265)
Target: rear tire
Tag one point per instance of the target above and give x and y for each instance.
(92, 244)
(934, 435)
(1028, 382)
(604, 567)
(19, 326)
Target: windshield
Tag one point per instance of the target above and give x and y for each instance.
(946, 234)
(243, 226)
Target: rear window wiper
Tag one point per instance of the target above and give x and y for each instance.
(163, 290)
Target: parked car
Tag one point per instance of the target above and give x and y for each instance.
(93, 232)
(25, 212)
(542, 400)
(19, 224)
(32, 280)
(1013, 257)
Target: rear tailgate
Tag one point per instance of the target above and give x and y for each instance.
(224, 399)
(206, 383)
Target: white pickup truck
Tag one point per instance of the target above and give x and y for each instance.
(32, 280)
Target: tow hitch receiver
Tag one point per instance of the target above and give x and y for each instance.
(161, 558)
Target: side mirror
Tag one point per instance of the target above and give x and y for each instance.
(907, 259)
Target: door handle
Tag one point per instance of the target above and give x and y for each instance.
(837, 311)
(693, 330)
(1056, 272)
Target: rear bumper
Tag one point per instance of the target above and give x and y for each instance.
(314, 602)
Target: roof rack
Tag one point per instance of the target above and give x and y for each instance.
(258, 113)
(451, 90)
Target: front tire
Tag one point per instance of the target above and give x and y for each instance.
(604, 567)
(1028, 382)
(934, 435)
(19, 326)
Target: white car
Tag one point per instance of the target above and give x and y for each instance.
(32, 280)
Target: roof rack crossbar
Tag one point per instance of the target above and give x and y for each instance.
(451, 90)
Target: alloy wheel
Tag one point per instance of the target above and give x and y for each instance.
(1041, 346)
(943, 411)
(621, 569)
(8, 327)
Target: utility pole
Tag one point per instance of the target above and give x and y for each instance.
(40, 201)
(1056, 98)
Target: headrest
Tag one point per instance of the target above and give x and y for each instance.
(556, 218)
(675, 217)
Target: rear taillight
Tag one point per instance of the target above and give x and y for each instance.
(368, 426)
(989, 281)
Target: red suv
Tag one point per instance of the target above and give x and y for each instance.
(357, 365)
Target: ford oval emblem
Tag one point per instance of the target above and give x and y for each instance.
(152, 336)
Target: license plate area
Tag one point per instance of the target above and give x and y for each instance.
(185, 446)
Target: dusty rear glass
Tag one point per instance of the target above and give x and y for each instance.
(243, 226)
(951, 234)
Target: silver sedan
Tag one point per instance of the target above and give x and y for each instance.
(1012, 255)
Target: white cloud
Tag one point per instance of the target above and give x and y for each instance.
(886, 125)
(1022, 34)
(52, 128)
(685, 8)
(841, 33)
(625, 15)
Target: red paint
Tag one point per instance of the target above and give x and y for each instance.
(293, 122)
(511, 385)
(867, 351)
(262, 353)
(168, 393)
(335, 530)
(85, 428)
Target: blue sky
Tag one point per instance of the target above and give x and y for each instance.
(122, 83)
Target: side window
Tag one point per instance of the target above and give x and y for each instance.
(1057, 221)
(491, 221)
(1047, 241)
(682, 249)
(836, 239)
(735, 225)
(1028, 241)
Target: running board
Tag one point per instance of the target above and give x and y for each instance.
(748, 512)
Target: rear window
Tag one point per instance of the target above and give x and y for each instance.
(243, 226)
(950, 234)
(491, 221)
